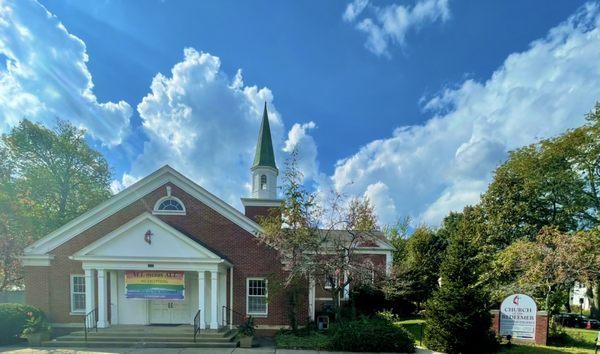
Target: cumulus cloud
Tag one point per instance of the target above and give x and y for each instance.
(390, 24)
(427, 170)
(46, 75)
(300, 140)
(205, 125)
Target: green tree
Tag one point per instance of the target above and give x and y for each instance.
(416, 274)
(47, 177)
(457, 315)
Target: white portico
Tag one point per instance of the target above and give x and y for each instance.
(149, 244)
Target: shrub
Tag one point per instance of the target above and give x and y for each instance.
(13, 318)
(457, 316)
(300, 339)
(377, 334)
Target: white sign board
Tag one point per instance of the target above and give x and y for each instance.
(517, 317)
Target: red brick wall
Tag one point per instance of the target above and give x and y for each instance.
(249, 257)
(256, 212)
(541, 326)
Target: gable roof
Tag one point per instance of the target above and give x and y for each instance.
(264, 155)
(108, 245)
(158, 178)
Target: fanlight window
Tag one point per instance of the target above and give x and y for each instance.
(169, 205)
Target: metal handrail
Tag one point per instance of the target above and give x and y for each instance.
(90, 321)
(196, 324)
(225, 320)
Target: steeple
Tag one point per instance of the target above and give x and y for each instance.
(264, 156)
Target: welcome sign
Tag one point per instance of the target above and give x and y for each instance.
(155, 285)
(517, 317)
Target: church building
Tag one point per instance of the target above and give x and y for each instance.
(167, 251)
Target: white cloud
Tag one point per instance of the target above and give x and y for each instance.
(354, 9)
(428, 170)
(204, 125)
(46, 75)
(391, 23)
(305, 145)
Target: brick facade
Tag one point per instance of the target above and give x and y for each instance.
(49, 287)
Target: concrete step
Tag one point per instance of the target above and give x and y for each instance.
(139, 344)
(180, 333)
(145, 339)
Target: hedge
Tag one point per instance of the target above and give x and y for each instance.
(12, 320)
(377, 334)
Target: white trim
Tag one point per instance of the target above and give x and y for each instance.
(34, 260)
(84, 253)
(160, 177)
(255, 202)
(72, 292)
(231, 297)
(266, 296)
(156, 211)
(323, 299)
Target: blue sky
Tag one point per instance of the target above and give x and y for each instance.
(411, 103)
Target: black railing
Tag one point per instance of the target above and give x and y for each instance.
(197, 319)
(231, 317)
(90, 321)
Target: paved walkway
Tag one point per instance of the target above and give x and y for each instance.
(21, 350)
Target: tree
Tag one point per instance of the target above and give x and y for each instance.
(47, 178)
(549, 266)
(457, 315)
(318, 239)
(416, 273)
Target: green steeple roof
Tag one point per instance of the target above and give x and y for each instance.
(264, 156)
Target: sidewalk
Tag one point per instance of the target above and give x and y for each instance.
(260, 350)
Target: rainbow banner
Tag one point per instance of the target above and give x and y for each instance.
(154, 285)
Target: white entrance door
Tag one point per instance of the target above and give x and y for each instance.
(172, 311)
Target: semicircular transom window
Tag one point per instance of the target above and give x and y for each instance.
(170, 205)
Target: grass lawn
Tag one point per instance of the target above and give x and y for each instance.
(578, 341)
(414, 327)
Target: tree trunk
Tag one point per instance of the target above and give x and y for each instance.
(595, 303)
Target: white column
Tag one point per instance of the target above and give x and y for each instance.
(311, 298)
(102, 299)
(214, 275)
(231, 298)
(114, 298)
(90, 302)
(201, 306)
(388, 263)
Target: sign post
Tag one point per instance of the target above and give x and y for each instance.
(518, 317)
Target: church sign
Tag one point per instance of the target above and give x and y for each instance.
(155, 285)
(518, 316)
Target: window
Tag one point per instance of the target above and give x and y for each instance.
(263, 182)
(78, 294)
(256, 296)
(328, 282)
(169, 205)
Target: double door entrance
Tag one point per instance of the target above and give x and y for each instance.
(170, 312)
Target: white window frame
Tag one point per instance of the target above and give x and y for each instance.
(257, 314)
(156, 211)
(327, 284)
(72, 292)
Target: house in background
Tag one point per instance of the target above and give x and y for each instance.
(165, 250)
(578, 297)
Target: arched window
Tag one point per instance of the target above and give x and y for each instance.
(263, 182)
(169, 205)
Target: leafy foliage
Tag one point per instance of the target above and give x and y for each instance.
(47, 178)
(376, 334)
(457, 316)
(13, 319)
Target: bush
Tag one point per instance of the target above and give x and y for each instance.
(369, 300)
(13, 318)
(377, 334)
(300, 339)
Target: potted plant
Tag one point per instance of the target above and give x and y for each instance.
(246, 332)
(36, 330)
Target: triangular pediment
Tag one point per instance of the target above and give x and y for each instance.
(146, 236)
